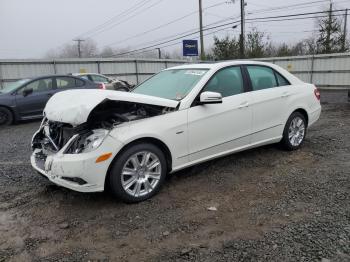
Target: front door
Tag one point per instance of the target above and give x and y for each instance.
(216, 129)
(33, 103)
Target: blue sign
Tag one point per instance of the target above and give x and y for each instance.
(190, 47)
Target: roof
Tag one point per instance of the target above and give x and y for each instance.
(218, 65)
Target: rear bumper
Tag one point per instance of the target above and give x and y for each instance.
(314, 116)
(78, 172)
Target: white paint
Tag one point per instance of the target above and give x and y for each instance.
(74, 106)
(193, 134)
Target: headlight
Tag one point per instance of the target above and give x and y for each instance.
(85, 144)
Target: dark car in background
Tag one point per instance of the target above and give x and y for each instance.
(26, 98)
(108, 82)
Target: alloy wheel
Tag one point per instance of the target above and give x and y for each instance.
(296, 131)
(141, 173)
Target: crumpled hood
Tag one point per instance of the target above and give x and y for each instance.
(74, 106)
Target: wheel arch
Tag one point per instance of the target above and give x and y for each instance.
(152, 140)
(14, 115)
(304, 113)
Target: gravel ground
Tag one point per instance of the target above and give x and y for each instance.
(271, 205)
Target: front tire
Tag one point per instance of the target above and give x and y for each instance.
(138, 173)
(6, 117)
(294, 132)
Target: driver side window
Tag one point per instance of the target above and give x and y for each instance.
(227, 81)
(40, 85)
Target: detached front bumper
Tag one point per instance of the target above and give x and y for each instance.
(78, 172)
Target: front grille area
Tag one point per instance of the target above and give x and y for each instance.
(40, 159)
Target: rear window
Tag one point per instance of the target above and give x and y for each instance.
(79, 83)
(65, 82)
(262, 77)
(281, 80)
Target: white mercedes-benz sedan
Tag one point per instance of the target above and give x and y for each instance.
(90, 140)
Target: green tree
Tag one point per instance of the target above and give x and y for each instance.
(226, 48)
(255, 44)
(330, 34)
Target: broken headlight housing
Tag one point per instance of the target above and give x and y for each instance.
(87, 142)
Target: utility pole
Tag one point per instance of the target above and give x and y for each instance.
(159, 53)
(344, 36)
(78, 43)
(329, 26)
(201, 30)
(242, 29)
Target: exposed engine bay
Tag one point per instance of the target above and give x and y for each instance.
(53, 136)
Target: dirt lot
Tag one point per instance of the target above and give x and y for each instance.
(271, 206)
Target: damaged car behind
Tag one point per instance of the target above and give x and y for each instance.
(91, 140)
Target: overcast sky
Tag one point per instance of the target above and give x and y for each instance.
(29, 28)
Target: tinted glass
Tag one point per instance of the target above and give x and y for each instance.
(65, 82)
(97, 78)
(12, 86)
(84, 77)
(172, 84)
(227, 82)
(281, 80)
(40, 85)
(79, 83)
(262, 77)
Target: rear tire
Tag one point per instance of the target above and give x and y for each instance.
(294, 132)
(6, 117)
(138, 173)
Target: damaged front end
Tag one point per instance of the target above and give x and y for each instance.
(53, 136)
(66, 153)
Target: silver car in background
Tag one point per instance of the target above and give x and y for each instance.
(106, 82)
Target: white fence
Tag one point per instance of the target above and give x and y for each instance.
(133, 71)
(326, 71)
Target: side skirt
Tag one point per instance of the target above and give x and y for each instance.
(225, 153)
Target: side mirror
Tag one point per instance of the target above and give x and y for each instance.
(27, 92)
(210, 98)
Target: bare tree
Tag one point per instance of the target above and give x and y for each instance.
(70, 50)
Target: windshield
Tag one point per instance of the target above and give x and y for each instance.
(172, 84)
(13, 86)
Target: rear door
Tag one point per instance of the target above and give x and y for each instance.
(63, 83)
(269, 93)
(32, 105)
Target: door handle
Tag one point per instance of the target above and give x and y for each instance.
(244, 104)
(285, 94)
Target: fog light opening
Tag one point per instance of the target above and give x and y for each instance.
(76, 180)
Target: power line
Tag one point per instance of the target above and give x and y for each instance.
(161, 26)
(133, 8)
(259, 19)
(211, 33)
(127, 19)
(278, 8)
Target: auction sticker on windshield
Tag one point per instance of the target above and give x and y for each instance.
(196, 72)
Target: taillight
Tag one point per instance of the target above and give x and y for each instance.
(101, 85)
(317, 94)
